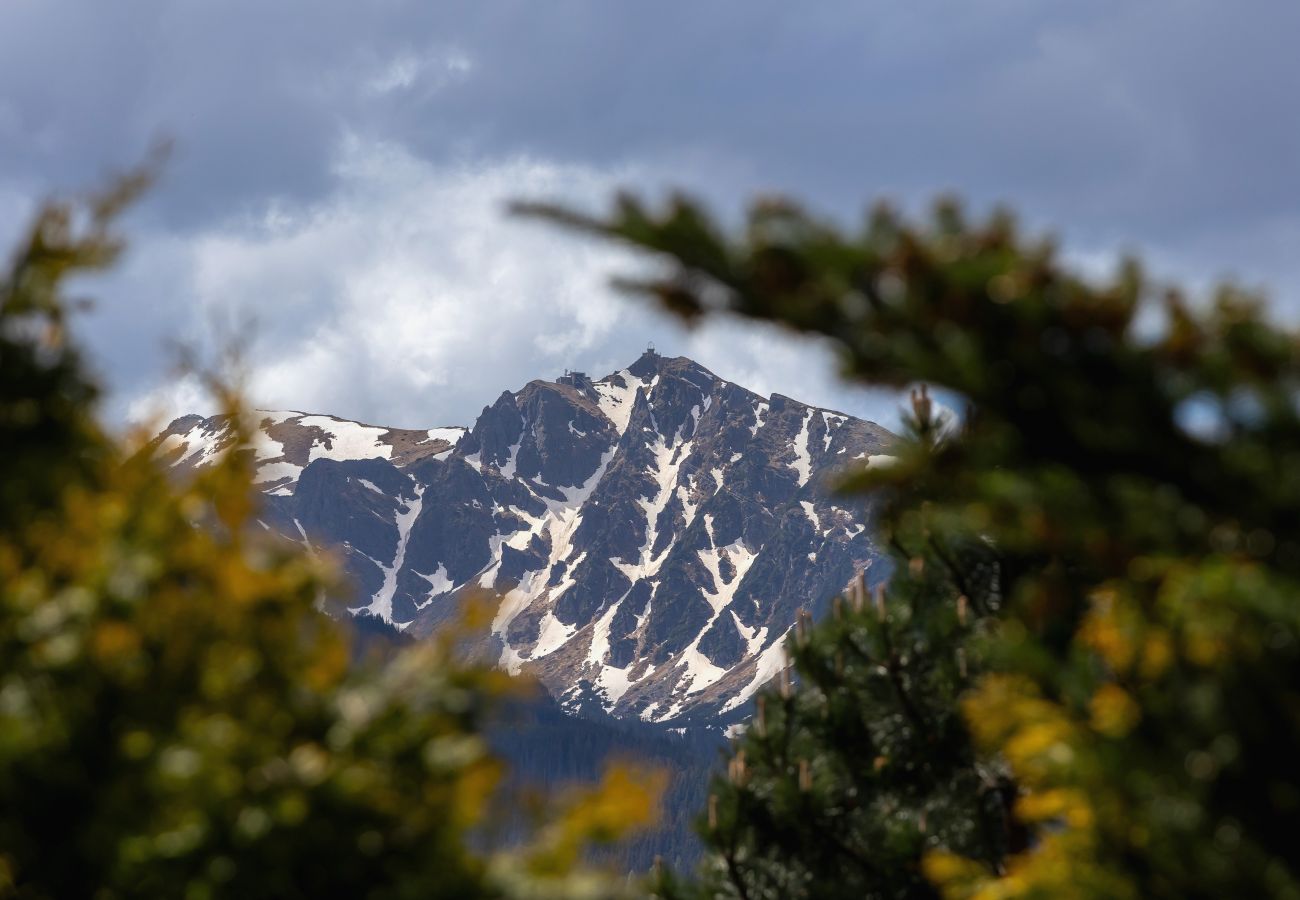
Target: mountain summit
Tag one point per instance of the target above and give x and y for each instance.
(652, 534)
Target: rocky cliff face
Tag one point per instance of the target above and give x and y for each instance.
(652, 535)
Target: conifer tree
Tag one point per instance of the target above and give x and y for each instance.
(1118, 521)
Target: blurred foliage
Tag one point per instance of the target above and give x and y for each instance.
(1084, 677)
(177, 718)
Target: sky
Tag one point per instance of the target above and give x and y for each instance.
(335, 203)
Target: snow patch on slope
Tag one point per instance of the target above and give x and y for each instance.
(508, 470)
(201, 444)
(832, 421)
(451, 434)
(666, 466)
(276, 471)
(802, 458)
(700, 671)
(381, 604)
(723, 591)
(770, 662)
(347, 440)
(616, 402)
(611, 681)
(559, 522)
(439, 583)
(811, 512)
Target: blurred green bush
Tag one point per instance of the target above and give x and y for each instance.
(1084, 677)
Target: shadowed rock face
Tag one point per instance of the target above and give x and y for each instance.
(652, 535)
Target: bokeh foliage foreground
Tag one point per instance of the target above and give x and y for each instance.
(177, 718)
(1084, 677)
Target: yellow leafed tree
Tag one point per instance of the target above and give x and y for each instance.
(176, 717)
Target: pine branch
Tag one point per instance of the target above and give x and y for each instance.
(894, 672)
(959, 577)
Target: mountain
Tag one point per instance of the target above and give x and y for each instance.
(653, 534)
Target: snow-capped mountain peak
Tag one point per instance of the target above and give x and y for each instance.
(652, 534)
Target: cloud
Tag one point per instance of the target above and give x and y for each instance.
(408, 297)
(430, 72)
(1108, 117)
(402, 290)
(1162, 126)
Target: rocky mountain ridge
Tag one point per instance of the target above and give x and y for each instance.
(652, 534)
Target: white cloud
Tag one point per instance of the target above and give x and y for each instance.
(408, 297)
(431, 71)
(406, 280)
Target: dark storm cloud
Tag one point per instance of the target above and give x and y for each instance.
(1162, 125)
(1154, 112)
